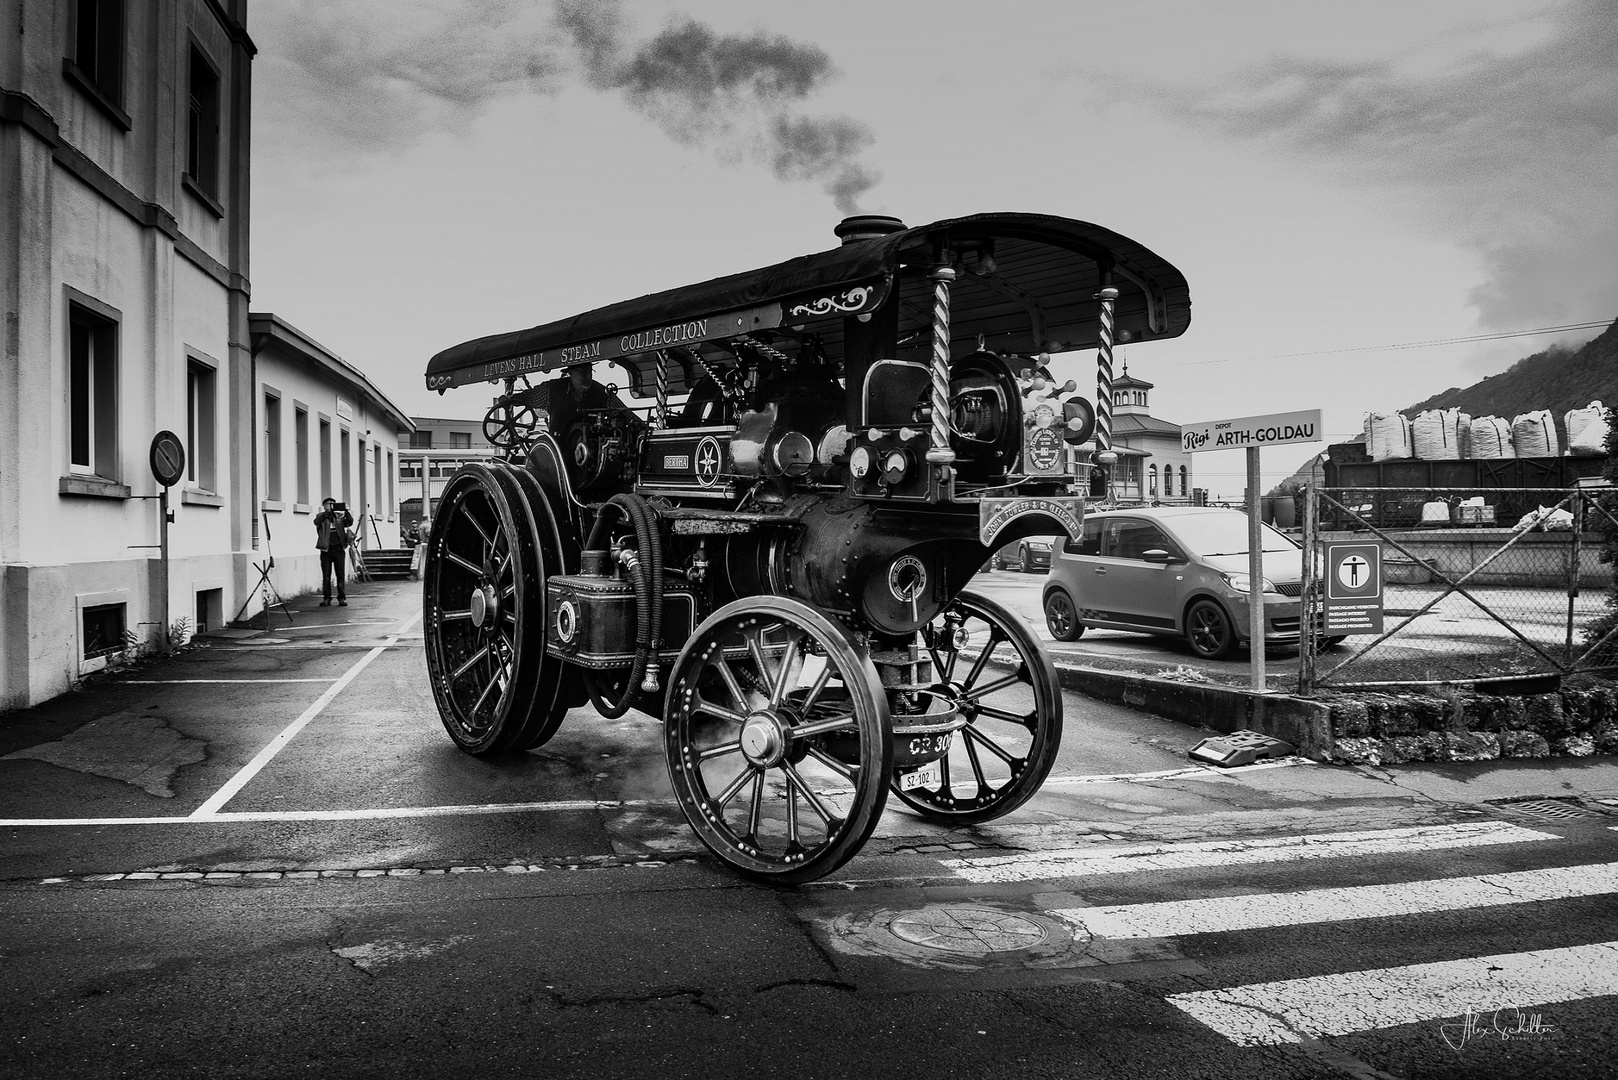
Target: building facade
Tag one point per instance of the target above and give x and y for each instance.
(325, 430)
(430, 454)
(1152, 467)
(124, 294)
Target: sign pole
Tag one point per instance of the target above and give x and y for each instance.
(1255, 574)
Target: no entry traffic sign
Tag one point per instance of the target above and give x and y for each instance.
(1353, 594)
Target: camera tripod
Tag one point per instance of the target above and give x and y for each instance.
(272, 597)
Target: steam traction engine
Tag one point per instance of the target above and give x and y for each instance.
(771, 552)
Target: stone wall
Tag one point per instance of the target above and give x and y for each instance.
(1384, 729)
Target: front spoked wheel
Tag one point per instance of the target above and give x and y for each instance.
(998, 675)
(778, 740)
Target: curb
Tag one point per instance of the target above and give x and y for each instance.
(1304, 724)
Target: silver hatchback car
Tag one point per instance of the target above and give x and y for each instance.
(1179, 570)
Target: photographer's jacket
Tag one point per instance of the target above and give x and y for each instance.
(331, 529)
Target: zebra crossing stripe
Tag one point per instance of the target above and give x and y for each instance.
(1033, 865)
(1267, 1014)
(1223, 913)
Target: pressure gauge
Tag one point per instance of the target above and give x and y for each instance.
(894, 467)
(859, 462)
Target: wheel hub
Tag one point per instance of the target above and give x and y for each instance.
(485, 606)
(764, 739)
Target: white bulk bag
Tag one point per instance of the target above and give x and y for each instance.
(1587, 430)
(1433, 435)
(1463, 433)
(1534, 434)
(1491, 437)
(1387, 436)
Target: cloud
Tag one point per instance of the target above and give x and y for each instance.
(1512, 156)
(373, 75)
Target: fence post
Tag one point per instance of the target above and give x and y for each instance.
(1573, 575)
(1307, 640)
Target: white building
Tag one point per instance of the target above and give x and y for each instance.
(327, 430)
(124, 184)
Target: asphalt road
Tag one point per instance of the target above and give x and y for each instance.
(265, 858)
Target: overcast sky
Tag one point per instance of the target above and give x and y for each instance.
(1328, 176)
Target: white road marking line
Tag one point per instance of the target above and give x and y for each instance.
(228, 817)
(1266, 1014)
(251, 769)
(1082, 862)
(210, 682)
(1217, 914)
(1194, 772)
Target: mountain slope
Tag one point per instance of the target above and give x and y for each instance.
(1557, 379)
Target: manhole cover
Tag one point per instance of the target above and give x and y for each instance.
(1556, 808)
(967, 931)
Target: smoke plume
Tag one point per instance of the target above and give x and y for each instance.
(1511, 155)
(377, 73)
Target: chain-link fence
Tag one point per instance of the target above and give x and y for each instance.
(1470, 593)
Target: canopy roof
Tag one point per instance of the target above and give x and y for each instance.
(1025, 283)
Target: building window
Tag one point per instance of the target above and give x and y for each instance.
(1151, 474)
(364, 487)
(92, 393)
(391, 493)
(421, 440)
(342, 463)
(325, 459)
(1185, 488)
(300, 446)
(199, 425)
(202, 125)
(272, 446)
(377, 453)
(98, 48)
(103, 630)
(460, 440)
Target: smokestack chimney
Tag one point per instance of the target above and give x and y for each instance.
(851, 230)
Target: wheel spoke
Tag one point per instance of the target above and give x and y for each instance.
(971, 732)
(977, 768)
(809, 797)
(814, 690)
(722, 665)
(844, 722)
(1026, 720)
(757, 809)
(755, 649)
(706, 706)
(466, 512)
(478, 704)
(735, 786)
(719, 751)
(789, 661)
(981, 692)
(464, 563)
(983, 657)
(470, 662)
(844, 769)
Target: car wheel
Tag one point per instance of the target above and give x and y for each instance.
(1025, 562)
(1060, 617)
(1209, 631)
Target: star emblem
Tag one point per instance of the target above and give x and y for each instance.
(708, 461)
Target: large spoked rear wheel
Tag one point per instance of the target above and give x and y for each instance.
(1001, 678)
(484, 615)
(778, 739)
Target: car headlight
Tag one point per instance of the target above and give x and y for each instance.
(1241, 582)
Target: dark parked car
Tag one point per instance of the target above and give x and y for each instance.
(1178, 570)
(1027, 555)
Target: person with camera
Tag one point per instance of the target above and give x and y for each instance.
(332, 538)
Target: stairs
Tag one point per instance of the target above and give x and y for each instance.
(387, 564)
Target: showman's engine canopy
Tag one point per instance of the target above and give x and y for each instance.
(769, 544)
